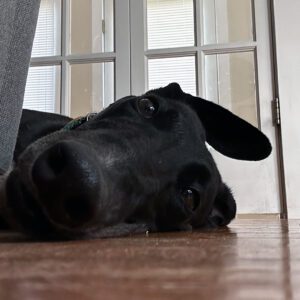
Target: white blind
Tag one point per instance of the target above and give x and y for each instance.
(47, 35)
(178, 69)
(42, 88)
(170, 23)
(43, 83)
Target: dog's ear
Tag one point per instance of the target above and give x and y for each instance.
(229, 134)
(171, 91)
(226, 132)
(224, 209)
(36, 124)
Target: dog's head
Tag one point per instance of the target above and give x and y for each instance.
(140, 163)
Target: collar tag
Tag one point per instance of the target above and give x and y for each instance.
(73, 124)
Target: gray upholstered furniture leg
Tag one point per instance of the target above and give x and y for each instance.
(18, 20)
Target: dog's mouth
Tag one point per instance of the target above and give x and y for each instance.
(19, 208)
(24, 210)
(68, 191)
(21, 212)
(51, 193)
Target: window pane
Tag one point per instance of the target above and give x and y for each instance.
(43, 89)
(163, 71)
(92, 87)
(227, 21)
(170, 23)
(47, 40)
(230, 81)
(91, 26)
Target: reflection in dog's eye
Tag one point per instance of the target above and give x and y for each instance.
(190, 198)
(146, 107)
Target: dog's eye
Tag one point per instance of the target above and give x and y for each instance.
(146, 107)
(190, 198)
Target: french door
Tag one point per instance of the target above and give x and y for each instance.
(81, 56)
(219, 50)
(88, 53)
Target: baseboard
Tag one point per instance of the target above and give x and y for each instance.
(258, 216)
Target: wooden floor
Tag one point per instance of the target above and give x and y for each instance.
(250, 260)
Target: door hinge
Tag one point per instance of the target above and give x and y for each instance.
(276, 110)
(103, 26)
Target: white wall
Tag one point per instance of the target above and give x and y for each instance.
(287, 30)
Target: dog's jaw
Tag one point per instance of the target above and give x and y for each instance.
(3, 178)
(3, 197)
(2, 192)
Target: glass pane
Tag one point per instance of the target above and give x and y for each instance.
(43, 89)
(163, 71)
(47, 40)
(230, 81)
(170, 23)
(92, 87)
(227, 21)
(91, 26)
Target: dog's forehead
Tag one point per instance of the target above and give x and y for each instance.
(174, 115)
(165, 101)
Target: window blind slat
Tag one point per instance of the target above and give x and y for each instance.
(43, 83)
(179, 69)
(42, 88)
(170, 23)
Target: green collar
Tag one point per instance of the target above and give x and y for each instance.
(73, 124)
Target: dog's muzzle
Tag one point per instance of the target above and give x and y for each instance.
(68, 182)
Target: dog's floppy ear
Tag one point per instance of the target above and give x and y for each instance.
(226, 132)
(36, 124)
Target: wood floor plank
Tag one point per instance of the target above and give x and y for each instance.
(252, 259)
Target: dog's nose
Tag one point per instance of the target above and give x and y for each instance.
(68, 183)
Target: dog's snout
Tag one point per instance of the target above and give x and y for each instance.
(51, 164)
(67, 183)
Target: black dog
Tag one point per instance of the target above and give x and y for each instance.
(140, 164)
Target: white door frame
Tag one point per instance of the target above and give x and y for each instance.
(287, 66)
(266, 173)
(120, 56)
(122, 49)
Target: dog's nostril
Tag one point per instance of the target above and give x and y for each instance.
(56, 160)
(67, 180)
(78, 210)
(52, 163)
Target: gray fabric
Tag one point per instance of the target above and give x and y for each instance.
(18, 20)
